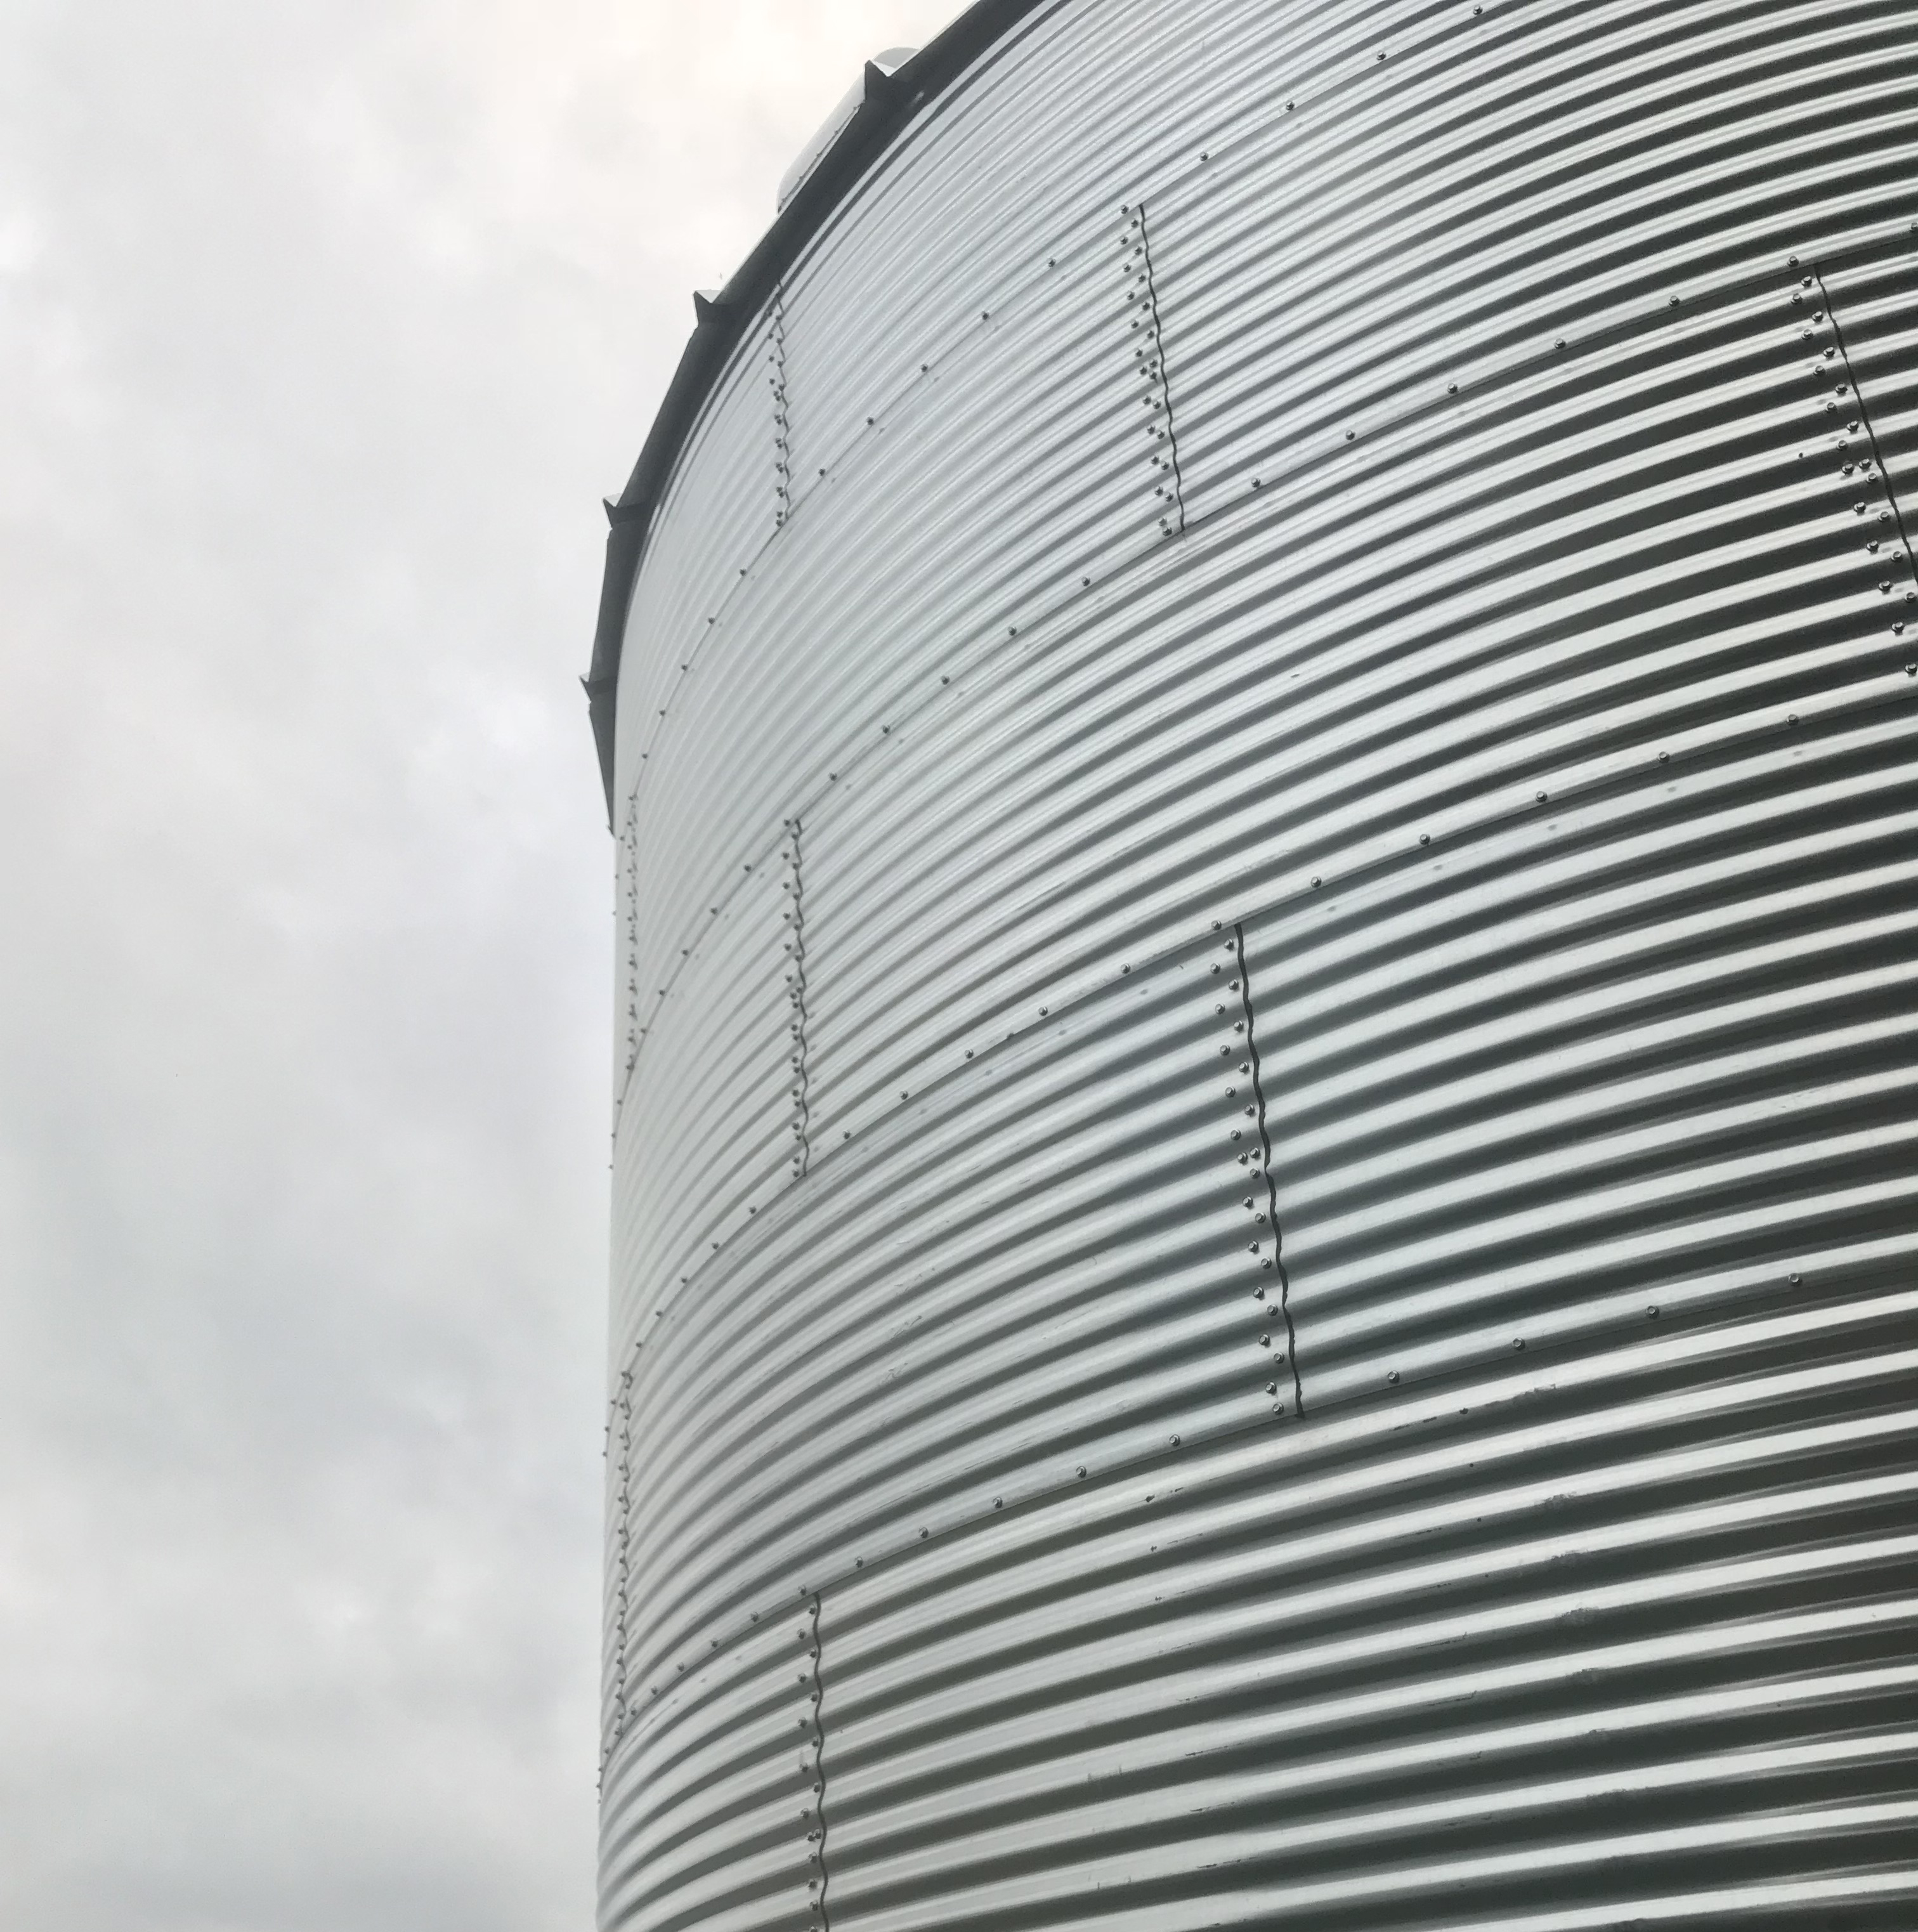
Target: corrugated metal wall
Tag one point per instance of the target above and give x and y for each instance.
(1265, 1169)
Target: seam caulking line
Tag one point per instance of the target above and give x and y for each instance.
(1158, 354)
(1864, 414)
(1265, 1164)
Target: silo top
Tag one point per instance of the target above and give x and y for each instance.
(892, 88)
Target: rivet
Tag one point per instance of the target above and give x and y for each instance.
(1082, 1468)
(1391, 1374)
(1652, 1313)
(1794, 1281)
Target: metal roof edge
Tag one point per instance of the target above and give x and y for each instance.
(891, 102)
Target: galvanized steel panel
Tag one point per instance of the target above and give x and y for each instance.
(711, 1138)
(1628, 1640)
(959, 1308)
(1263, 1131)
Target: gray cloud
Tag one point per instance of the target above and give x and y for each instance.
(321, 329)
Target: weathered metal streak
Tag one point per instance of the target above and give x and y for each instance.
(1458, 819)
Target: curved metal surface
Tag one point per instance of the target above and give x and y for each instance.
(1263, 1132)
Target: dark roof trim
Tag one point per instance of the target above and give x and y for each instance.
(889, 102)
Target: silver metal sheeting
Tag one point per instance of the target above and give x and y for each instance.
(1268, 856)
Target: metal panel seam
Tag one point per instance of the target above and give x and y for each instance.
(1265, 1168)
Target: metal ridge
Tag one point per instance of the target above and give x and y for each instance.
(891, 102)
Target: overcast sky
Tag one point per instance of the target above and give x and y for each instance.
(323, 328)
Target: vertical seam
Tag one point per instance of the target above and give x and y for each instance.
(1864, 415)
(802, 1079)
(629, 879)
(819, 1782)
(622, 1472)
(781, 423)
(1158, 355)
(1266, 1165)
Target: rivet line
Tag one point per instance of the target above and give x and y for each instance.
(1158, 398)
(782, 420)
(824, 1910)
(802, 1078)
(1865, 419)
(1265, 1166)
